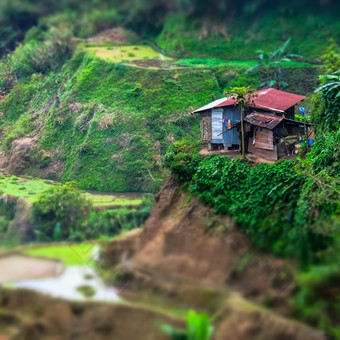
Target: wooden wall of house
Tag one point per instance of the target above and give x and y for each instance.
(264, 139)
(206, 126)
(270, 155)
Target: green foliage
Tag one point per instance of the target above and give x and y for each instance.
(331, 97)
(113, 222)
(60, 212)
(269, 201)
(242, 95)
(325, 154)
(199, 62)
(331, 58)
(36, 56)
(272, 62)
(75, 254)
(100, 115)
(182, 158)
(316, 300)
(7, 213)
(239, 36)
(198, 328)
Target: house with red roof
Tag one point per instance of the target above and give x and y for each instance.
(270, 129)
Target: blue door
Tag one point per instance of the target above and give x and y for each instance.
(217, 126)
(233, 114)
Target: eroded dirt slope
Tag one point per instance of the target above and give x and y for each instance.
(188, 254)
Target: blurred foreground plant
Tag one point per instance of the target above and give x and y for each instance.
(198, 328)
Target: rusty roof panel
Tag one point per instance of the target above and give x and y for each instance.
(270, 99)
(263, 120)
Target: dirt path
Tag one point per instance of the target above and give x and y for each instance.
(16, 268)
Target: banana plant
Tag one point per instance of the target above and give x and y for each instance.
(272, 61)
(198, 328)
(331, 96)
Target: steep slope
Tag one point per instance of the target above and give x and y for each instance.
(59, 319)
(188, 254)
(102, 124)
(107, 125)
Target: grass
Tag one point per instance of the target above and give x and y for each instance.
(32, 188)
(198, 62)
(119, 54)
(24, 187)
(121, 199)
(71, 254)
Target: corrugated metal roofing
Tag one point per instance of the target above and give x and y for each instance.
(270, 99)
(211, 105)
(263, 120)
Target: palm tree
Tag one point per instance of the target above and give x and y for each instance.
(273, 61)
(243, 96)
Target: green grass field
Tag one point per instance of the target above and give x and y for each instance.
(24, 187)
(122, 199)
(198, 62)
(32, 188)
(71, 254)
(127, 53)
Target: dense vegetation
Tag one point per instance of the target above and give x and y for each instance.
(290, 208)
(106, 124)
(62, 212)
(222, 28)
(103, 124)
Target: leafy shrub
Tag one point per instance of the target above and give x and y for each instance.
(182, 158)
(316, 299)
(7, 213)
(37, 56)
(113, 222)
(330, 90)
(276, 204)
(325, 154)
(59, 212)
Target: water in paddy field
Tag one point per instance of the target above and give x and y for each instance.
(50, 277)
(66, 285)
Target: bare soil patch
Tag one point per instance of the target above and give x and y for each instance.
(14, 268)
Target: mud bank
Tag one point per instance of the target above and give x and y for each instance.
(194, 258)
(18, 267)
(26, 315)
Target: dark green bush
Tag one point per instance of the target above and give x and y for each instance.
(276, 204)
(325, 154)
(113, 222)
(316, 300)
(59, 212)
(182, 158)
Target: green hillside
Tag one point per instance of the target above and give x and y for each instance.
(107, 125)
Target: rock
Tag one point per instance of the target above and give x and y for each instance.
(22, 155)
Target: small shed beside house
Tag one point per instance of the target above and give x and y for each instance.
(272, 137)
(269, 124)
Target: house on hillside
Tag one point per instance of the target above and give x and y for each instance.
(270, 129)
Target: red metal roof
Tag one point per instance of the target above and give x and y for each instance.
(270, 99)
(263, 120)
